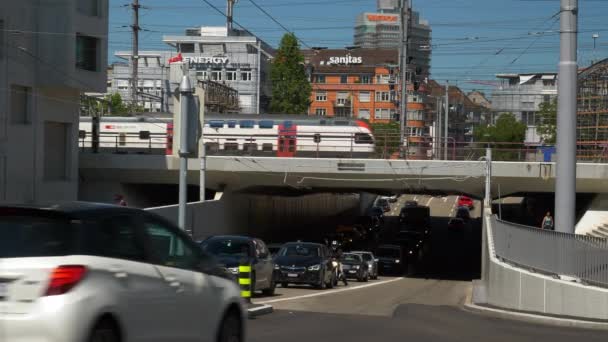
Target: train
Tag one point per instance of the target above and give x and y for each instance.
(237, 134)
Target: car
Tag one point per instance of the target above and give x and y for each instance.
(410, 204)
(391, 259)
(274, 248)
(78, 271)
(372, 262)
(305, 263)
(234, 251)
(384, 204)
(354, 266)
(393, 199)
(463, 213)
(456, 224)
(377, 214)
(465, 201)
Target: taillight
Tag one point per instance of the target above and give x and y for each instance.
(64, 278)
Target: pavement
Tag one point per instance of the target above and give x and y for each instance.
(428, 304)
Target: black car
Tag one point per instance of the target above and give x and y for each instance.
(354, 266)
(411, 204)
(234, 251)
(391, 259)
(384, 204)
(304, 263)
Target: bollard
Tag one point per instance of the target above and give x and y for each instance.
(245, 282)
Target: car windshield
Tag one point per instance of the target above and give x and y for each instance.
(227, 247)
(22, 236)
(366, 256)
(300, 250)
(352, 257)
(388, 252)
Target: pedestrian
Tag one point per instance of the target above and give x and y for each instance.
(547, 221)
(120, 200)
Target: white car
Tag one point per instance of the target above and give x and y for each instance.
(83, 272)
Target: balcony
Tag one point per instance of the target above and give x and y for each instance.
(342, 103)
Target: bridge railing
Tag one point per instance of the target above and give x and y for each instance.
(583, 258)
(385, 146)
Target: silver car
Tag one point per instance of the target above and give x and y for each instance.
(371, 261)
(88, 272)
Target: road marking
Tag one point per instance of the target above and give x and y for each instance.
(330, 292)
(445, 199)
(416, 198)
(429, 202)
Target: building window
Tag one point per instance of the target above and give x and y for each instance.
(320, 78)
(21, 99)
(86, 52)
(549, 83)
(364, 114)
(186, 47)
(56, 150)
(383, 114)
(321, 112)
(231, 75)
(529, 118)
(343, 79)
(216, 75)
(342, 98)
(203, 75)
(88, 7)
(527, 105)
(547, 98)
(343, 112)
(383, 79)
(366, 79)
(321, 96)
(245, 75)
(365, 96)
(383, 96)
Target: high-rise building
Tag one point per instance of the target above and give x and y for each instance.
(382, 30)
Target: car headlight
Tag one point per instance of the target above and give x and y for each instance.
(397, 261)
(277, 267)
(356, 267)
(233, 270)
(314, 268)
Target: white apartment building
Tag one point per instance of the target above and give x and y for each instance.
(50, 52)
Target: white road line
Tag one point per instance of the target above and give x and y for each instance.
(429, 202)
(416, 198)
(330, 292)
(445, 199)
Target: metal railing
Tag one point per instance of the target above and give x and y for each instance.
(584, 258)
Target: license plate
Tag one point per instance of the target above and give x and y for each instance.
(292, 275)
(352, 271)
(3, 291)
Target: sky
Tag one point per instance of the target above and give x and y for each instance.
(473, 40)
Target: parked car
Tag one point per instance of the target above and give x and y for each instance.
(274, 248)
(391, 259)
(393, 199)
(465, 201)
(305, 263)
(384, 204)
(464, 213)
(372, 263)
(456, 224)
(354, 267)
(235, 251)
(93, 272)
(410, 204)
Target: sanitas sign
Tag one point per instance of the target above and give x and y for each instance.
(206, 60)
(347, 60)
(382, 17)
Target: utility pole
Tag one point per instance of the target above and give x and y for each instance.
(565, 184)
(595, 37)
(135, 53)
(446, 116)
(185, 90)
(230, 15)
(405, 8)
(437, 143)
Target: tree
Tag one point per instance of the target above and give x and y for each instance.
(290, 87)
(548, 122)
(503, 135)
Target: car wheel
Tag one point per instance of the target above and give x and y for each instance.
(321, 285)
(366, 279)
(104, 331)
(330, 284)
(270, 291)
(231, 328)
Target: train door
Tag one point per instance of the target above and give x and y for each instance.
(287, 141)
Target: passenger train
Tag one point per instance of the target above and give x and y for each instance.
(229, 134)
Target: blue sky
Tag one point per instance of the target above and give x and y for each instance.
(472, 39)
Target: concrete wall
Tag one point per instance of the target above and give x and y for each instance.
(513, 288)
(266, 217)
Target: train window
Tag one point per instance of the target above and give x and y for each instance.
(267, 147)
(323, 122)
(341, 123)
(363, 138)
(231, 146)
(82, 134)
(144, 135)
(292, 145)
(266, 124)
(122, 139)
(216, 123)
(231, 123)
(246, 123)
(212, 147)
(287, 124)
(250, 147)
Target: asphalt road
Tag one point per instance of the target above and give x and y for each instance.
(424, 305)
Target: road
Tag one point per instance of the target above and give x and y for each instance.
(425, 305)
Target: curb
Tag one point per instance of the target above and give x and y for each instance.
(471, 307)
(256, 310)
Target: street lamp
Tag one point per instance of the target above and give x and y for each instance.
(595, 37)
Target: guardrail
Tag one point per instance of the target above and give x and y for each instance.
(385, 146)
(581, 257)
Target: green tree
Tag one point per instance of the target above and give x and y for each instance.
(504, 136)
(548, 122)
(290, 87)
(387, 137)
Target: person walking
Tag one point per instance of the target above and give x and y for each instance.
(547, 222)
